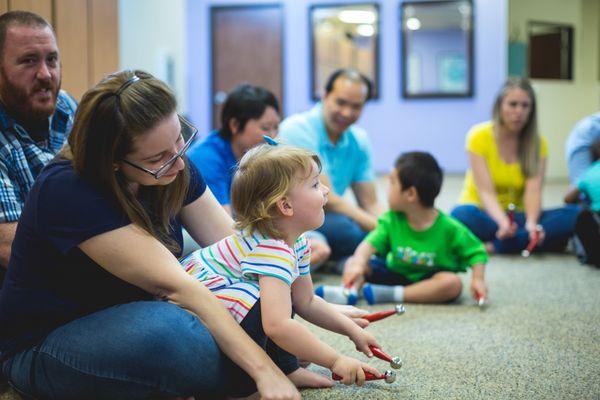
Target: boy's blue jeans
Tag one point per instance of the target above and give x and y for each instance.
(558, 223)
(138, 350)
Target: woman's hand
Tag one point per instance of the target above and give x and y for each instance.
(506, 229)
(272, 384)
(534, 230)
(352, 370)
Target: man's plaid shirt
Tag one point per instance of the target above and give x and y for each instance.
(22, 159)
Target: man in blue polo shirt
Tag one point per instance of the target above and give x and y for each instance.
(328, 129)
(35, 115)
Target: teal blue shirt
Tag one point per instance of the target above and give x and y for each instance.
(346, 162)
(590, 185)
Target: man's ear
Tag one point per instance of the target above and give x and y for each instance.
(234, 125)
(285, 207)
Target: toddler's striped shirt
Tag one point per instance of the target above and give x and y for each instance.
(230, 267)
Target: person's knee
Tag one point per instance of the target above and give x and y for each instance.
(462, 213)
(180, 350)
(451, 285)
(176, 336)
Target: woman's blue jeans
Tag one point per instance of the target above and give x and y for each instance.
(558, 224)
(140, 350)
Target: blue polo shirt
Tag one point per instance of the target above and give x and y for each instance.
(346, 162)
(214, 158)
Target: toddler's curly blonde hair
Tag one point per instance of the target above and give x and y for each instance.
(265, 174)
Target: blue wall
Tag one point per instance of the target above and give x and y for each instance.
(394, 124)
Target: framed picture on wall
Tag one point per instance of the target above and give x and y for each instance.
(440, 35)
(343, 36)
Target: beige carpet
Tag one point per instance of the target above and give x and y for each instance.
(538, 339)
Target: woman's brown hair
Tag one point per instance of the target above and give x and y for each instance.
(529, 138)
(109, 117)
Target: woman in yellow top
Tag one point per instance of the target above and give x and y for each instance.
(507, 159)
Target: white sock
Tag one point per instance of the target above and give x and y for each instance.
(335, 295)
(383, 293)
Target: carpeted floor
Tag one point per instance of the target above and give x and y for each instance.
(538, 339)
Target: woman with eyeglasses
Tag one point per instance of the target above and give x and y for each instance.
(95, 303)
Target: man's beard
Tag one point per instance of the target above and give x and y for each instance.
(20, 104)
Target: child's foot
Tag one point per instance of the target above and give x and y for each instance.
(304, 378)
(335, 295)
(383, 293)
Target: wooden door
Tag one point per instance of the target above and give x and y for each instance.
(246, 47)
(41, 7)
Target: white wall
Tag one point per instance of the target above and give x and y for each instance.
(152, 34)
(562, 103)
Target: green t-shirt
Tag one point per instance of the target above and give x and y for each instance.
(447, 245)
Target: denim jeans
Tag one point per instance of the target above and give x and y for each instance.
(241, 384)
(140, 350)
(342, 233)
(558, 224)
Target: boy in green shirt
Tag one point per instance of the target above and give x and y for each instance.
(423, 247)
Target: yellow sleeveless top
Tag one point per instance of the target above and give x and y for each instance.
(508, 179)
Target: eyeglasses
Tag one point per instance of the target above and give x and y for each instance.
(188, 132)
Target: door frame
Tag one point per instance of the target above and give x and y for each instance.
(211, 87)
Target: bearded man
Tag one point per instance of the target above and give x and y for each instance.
(35, 115)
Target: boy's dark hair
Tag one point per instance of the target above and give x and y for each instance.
(245, 102)
(352, 75)
(421, 170)
(595, 150)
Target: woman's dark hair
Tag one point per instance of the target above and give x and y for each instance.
(421, 170)
(109, 117)
(244, 103)
(351, 75)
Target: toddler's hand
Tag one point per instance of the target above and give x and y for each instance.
(363, 339)
(352, 370)
(355, 314)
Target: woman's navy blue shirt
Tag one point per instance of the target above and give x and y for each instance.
(50, 281)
